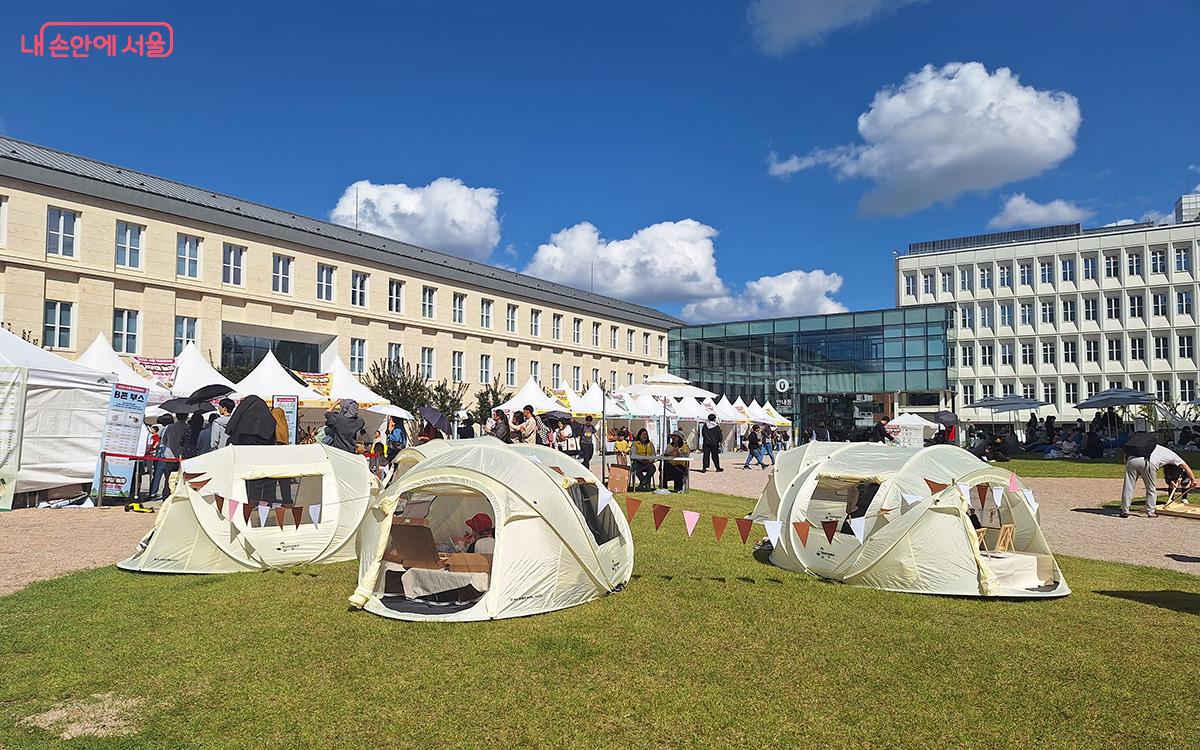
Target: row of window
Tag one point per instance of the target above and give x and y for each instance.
(58, 328)
(1162, 390)
(1004, 353)
(1046, 272)
(1159, 307)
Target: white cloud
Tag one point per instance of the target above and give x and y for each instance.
(1120, 223)
(672, 261)
(444, 215)
(945, 131)
(782, 25)
(791, 293)
(1021, 211)
(1159, 217)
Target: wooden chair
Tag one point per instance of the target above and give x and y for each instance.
(982, 534)
(1004, 543)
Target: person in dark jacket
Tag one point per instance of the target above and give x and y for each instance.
(879, 433)
(466, 428)
(344, 425)
(754, 446)
(500, 429)
(1093, 446)
(587, 442)
(710, 442)
(189, 445)
(251, 423)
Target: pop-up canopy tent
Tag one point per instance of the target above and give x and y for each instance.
(780, 420)
(344, 384)
(531, 394)
(593, 401)
(554, 547)
(898, 519)
(726, 412)
(269, 379)
(214, 521)
(193, 372)
(574, 402)
(57, 410)
(100, 356)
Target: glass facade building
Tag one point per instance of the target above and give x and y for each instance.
(833, 370)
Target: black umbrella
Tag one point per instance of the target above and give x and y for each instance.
(209, 392)
(185, 406)
(559, 415)
(947, 418)
(435, 418)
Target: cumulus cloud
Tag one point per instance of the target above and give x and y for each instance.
(669, 262)
(1021, 211)
(945, 131)
(444, 215)
(779, 26)
(791, 293)
(1120, 223)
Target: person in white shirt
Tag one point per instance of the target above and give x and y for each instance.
(1146, 469)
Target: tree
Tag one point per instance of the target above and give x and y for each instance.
(447, 398)
(399, 384)
(488, 398)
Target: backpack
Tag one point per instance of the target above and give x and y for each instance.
(1140, 445)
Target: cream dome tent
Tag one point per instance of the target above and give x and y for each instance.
(554, 547)
(192, 372)
(100, 356)
(344, 384)
(204, 526)
(531, 394)
(910, 530)
(269, 379)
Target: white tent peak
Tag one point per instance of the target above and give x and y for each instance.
(193, 371)
(269, 378)
(531, 394)
(100, 356)
(18, 352)
(344, 384)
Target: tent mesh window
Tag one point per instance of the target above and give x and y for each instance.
(587, 499)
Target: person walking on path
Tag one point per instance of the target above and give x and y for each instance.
(344, 425)
(587, 442)
(754, 446)
(768, 438)
(710, 442)
(1145, 469)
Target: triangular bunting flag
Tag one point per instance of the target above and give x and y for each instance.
(1029, 499)
(690, 517)
(280, 514)
(233, 509)
(830, 528)
(247, 509)
(314, 512)
(660, 512)
(263, 510)
(773, 528)
(935, 487)
(297, 514)
(802, 529)
(907, 502)
(719, 524)
(743, 525)
(982, 491)
(997, 496)
(632, 505)
(220, 503)
(858, 527)
(1012, 483)
(606, 497)
(881, 520)
(969, 497)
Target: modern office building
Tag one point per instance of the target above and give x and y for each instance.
(1187, 208)
(1060, 313)
(88, 247)
(841, 370)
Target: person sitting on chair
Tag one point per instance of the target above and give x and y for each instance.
(643, 468)
(676, 473)
(482, 538)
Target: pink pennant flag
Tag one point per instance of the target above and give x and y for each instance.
(1012, 483)
(314, 512)
(233, 509)
(690, 517)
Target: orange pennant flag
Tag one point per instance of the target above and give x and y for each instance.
(935, 487)
(280, 514)
(631, 507)
(982, 490)
(802, 528)
(719, 524)
(660, 512)
(830, 528)
(297, 514)
(744, 525)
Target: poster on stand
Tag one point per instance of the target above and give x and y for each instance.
(291, 410)
(12, 416)
(124, 429)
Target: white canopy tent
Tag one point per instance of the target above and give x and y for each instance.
(759, 414)
(575, 403)
(690, 408)
(909, 419)
(59, 416)
(726, 412)
(344, 384)
(531, 394)
(666, 385)
(780, 420)
(193, 371)
(593, 401)
(269, 379)
(100, 356)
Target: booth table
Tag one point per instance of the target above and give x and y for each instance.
(683, 462)
(425, 582)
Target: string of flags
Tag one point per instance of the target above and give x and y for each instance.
(229, 510)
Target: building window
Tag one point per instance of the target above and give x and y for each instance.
(1162, 347)
(947, 282)
(629, 339)
(1137, 349)
(1158, 301)
(324, 282)
(985, 278)
(1006, 315)
(535, 322)
(1006, 389)
(556, 327)
(358, 356)
(950, 360)
(968, 356)
(395, 296)
(1070, 352)
(596, 335)
(1006, 354)
(1048, 354)
(185, 332)
(646, 344)
(1071, 392)
(556, 375)
(1047, 272)
(358, 288)
(456, 367)
(1005, 276)
(1089, 267)
(510, 319)
(1026, 314)
(968, 394)
(612, 378)
(577, 331)
(1114, 384)
(1028, 390)
(595, 375)
(1114, 350)
(1027, 354)
(1048, 312)
(1162, 389)
(1187, 390)
(1049, 393)
(1137, 306)
(395, 353)
(485, 368)
(1026, 273)
(910, 284)
(427, 362)
(1135, 264)
(125, 330)
(129, 245)
(1093, 387)
(985, 316)
(964, 280)
(985, 355)
(1158, 261)
(1186, 349)
(187, 256)
(1090, 308)
(1183, 259)
(485, 313)
(428, 300)
(988, 391)
(927, 283)
(1183, 303)
(510, 372)
(56, 324)
(1068, 269)
(1112, 307)
(61, 226)
(232, 258)
(576, 377)
(458, 303)
(535, 370)
(1068, 314)
(612, 337)
(1091, 351)
(964, 316)
(281, 274)
(629, 378)
(1112, 267)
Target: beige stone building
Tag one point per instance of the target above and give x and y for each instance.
(88, 247)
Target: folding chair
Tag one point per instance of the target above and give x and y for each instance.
(1004, 542)
(982, 534)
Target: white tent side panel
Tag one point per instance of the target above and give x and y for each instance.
(64, 419)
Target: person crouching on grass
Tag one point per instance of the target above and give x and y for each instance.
(1146, 470)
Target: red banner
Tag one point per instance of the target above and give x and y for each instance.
(802, 528)
(830, 528)
(660, 512)
(744, 525)
(719, 524)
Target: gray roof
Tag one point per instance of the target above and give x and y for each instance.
(46, 166)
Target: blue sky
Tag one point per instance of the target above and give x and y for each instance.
(636, 139)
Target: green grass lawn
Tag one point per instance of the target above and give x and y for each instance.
(707, 647)
(1033, 465)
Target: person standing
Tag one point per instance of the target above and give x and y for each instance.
(396, 438)
(587, 443)
(1145, 469)
(879, 433)
(499, 428)
(219, 436)
(768, 439)
(344, 425)
(168, 449)
(754, 446)
(204, 443)
(710, 443)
